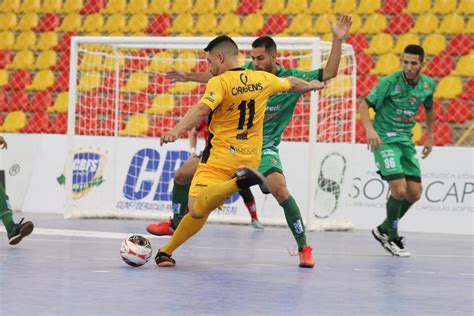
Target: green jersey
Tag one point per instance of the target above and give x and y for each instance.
(280, 106)
(396, 104)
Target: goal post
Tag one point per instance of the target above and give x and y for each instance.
(120, 103)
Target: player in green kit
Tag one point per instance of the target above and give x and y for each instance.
(277, 116)
(396, 100)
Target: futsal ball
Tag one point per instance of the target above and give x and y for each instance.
(136, 250)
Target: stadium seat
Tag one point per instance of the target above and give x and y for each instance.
(252, 23)
(91, 62)
(360, 136)
(229, 24)
(62, 82)
(374, 24)
(159, 84)
(364, 63)
(30, 6)
(51, 6)
(158, 6)
(8, 40)
(356, 24)
(465, 7)
(4, 76)
(321, 25)
(107, 125)
(344, 6)
(93, 22)
(470, 26)
(358, 41)
(444, 6)
(380, 44)
(247, 7)
(6, 57)
(38, 123)
(111, 62)
(425, 24)
(40, 102)
(93, 6)
(387, 64)
(468, 92)
(8, 21)
(448, 88)
(226, 6)
(47, 41)
(19, 80)
(299, 25)
(72, 6)
(206, 25)
(294, 7)
(183, 23)
(28, 22)
(137, 60)
(46, 60)
(18, 100)
(272, 7)
(63, 62)
(115, 23)
(59, 124)
(48, 23)
(87, 124)
(400, 24)
(10, 6)
(160, 125)
(71, 23)
(14, 122)
(23, 60)
(460, 45)
(459, 111)
(434, 44)
(137, 125)
(3, 102)
(185, 61)
(89, 102)
(60, 103)
(340, 86)
(65, 42)
(203, 7)
(137, 82)
(183, 87)
(162, 104)
(161, 62)
(275, 24)
(26, 40)
(89, 81)
(439, 112)
(417, 132)
(137, 6)
(465, 66)
(159, 25)
(320, 7)
(181, 6)
(404, 40)
(440, 66)
(418, 6)
(443, 135)
(452, 24)
(137, 23)
(368, 6)
(43, 80)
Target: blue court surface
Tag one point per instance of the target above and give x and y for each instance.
(73, 267)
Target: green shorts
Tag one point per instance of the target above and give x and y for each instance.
(398, 161)
(270, 162)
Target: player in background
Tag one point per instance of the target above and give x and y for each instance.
(182, 180)
(235, 102)
(279, 111)
(15, 232)
(396, 100)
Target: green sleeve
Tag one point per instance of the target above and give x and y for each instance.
(248, 65)
(428, 103)
(316, 74)
(377, 94)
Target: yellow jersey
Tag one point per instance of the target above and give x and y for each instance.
(238, 99)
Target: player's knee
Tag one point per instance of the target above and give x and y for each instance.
(413, 196)
(281, 193)
(399, 193)
(195, 215)
(182, 177)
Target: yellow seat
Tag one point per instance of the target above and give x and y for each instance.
(320, 6)
(46, 60)
(137, 125)
(272, 6)
(448, 88)
(356, 24)
(8, 21)
(137, 23)
(300, 24)
(30, 6)
(229, 24)
(185, 61)
(344, 6)
(158, 6)
(203, 7)
(444, 6)
(51, 6)
(466, 7)
(4, 76)
(115, 23)
(206, 25)
(226, 7)
(465, 66)
(425, 24)
(321, 25)
(91, 62)
(305, 62)
(375, 23)
(42, 81)
(252, 23)
(183, 87)
(71, 23)
(294, 7)
(181, 6)
(93, 23)
(368, 6)
(162, 104)
(137, 82)
(23, 60)
(10, 6)
(418, 6)
(47, 41)
(161, 62)
(434, 44)
(387, 64)
(60, 104)
(8, 40)
(111, 61)
(417, 132)
(327, 38)
(339, 87)
(89, 81)
(27, 22)
(14, 122)
(452, 24)
(137, 6)
(115, 6)
(404, 40)
(183, 23)
(380, 44)
(470, 26)
(25, 40)
(72, 6)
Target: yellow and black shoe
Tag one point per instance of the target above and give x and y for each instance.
(163, 259)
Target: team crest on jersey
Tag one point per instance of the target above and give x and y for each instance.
(273, 161)
(426, 86)
(412, 100)
(210, 96)
(398, 89)
(232, 149)
(244, 79)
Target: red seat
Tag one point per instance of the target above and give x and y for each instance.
(40, 101)
(137, 61)
(364, 63)
(38, 123)
(63, 62)
(65, 42)
(6, 57)
(440, 65)
(48, 23)
(19, 80)
(287, 60)
(364, 84)
(460, 45)
(93, 6)
(159, 84)
(459, 111)
(360, 136)
(400, 24)
(443, 135)
(161, 125)
(200, 89)
(159, 24)
(107, 125)
(393, 6)
(89, 102)
(59, 124)
(109, 103)
(62, 82)
(468, 92)
(108, 83)
(248, 7)
(439, 112)
(138, 103)
(202, 66)
(18, 100)
(88, 125)
(3, 102)
(358, 42)
(275, 24)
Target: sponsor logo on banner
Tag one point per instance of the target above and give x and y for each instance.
(87, 170)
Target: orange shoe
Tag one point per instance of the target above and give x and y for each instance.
(161, 228)
(306, 257)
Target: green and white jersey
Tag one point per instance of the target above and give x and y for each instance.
(396, 104)
(280, 106)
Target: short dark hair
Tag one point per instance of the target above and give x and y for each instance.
(267, 42)
(415, 50)
(223, 41)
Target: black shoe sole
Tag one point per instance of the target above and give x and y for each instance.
(381, 243)
(25, 230)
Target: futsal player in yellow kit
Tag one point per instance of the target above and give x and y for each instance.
(235, 102)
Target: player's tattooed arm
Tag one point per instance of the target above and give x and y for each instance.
(302, 86)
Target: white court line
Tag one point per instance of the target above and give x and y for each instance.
(262, 264)
(367, 270)
(420, 272)
(101, 271)
(469, 274)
